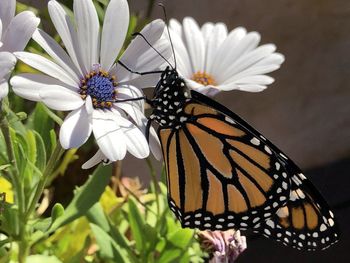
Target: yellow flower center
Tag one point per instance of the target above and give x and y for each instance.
(203, 78)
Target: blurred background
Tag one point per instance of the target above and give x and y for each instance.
(306, 112)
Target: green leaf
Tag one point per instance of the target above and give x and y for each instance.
(42, 259)
(152, 238)
(4, 167)
(40, 121)
(57, 211)
(42, 224)
(170, 255)
(98, 217)
(9, 220)
(53, 140)
(181, 238)
(31, 152)
(108, 247)
(85, 197)
(40, 152)
(15, 122)
(136, 224)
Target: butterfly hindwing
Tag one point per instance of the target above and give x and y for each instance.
(305, 222)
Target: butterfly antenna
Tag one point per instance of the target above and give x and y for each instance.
(167, 27)
(139, 34)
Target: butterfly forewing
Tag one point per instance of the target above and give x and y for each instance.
(220, 175)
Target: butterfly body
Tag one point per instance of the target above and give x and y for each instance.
(170, 94)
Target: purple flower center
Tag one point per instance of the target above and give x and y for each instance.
(100, 86)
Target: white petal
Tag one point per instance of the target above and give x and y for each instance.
(88, 28)
(193, 84)
(60, 98)
(183, 62)
(144, 81)
(154, 144)
(115, 27)
(175, 26)
(129, 92)
(195, 43)
(88, 105)
(141, 121)
(94, 160)
(209, 91)
(140, 57)
(66, 30)
(135, 113)
(135, 140)
(109, 136)
(207, 30)
(19, 31)
(251, 87)
(57, 53)
(75, 129)
(4, 88)
(263, 66)
(245, 45)
(28, 85)
(242, 87)
(7, 12)
(232, 40)
(48, 67)
(7, 63)
(213, 43)
(247, 61)
(0, 33)
(256, 79)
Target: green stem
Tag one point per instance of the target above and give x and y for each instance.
(23, 250)
(155, 183)
(57, 153)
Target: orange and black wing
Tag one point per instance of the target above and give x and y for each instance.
(221, 172)
(305, 222)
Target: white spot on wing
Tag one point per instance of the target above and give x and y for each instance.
(255, 141)
(230, 120)
(267, 149)
(323, 227)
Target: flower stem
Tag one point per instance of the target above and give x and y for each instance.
(155, 183)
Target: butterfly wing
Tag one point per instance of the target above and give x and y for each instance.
(305, 222)
(221, 172)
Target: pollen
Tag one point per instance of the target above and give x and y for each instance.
(203, 78)
(101, 87)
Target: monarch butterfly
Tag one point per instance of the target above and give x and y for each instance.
(222, 173)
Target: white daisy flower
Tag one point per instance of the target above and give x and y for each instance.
(87, 82)
(212, 60)
(15, 32)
